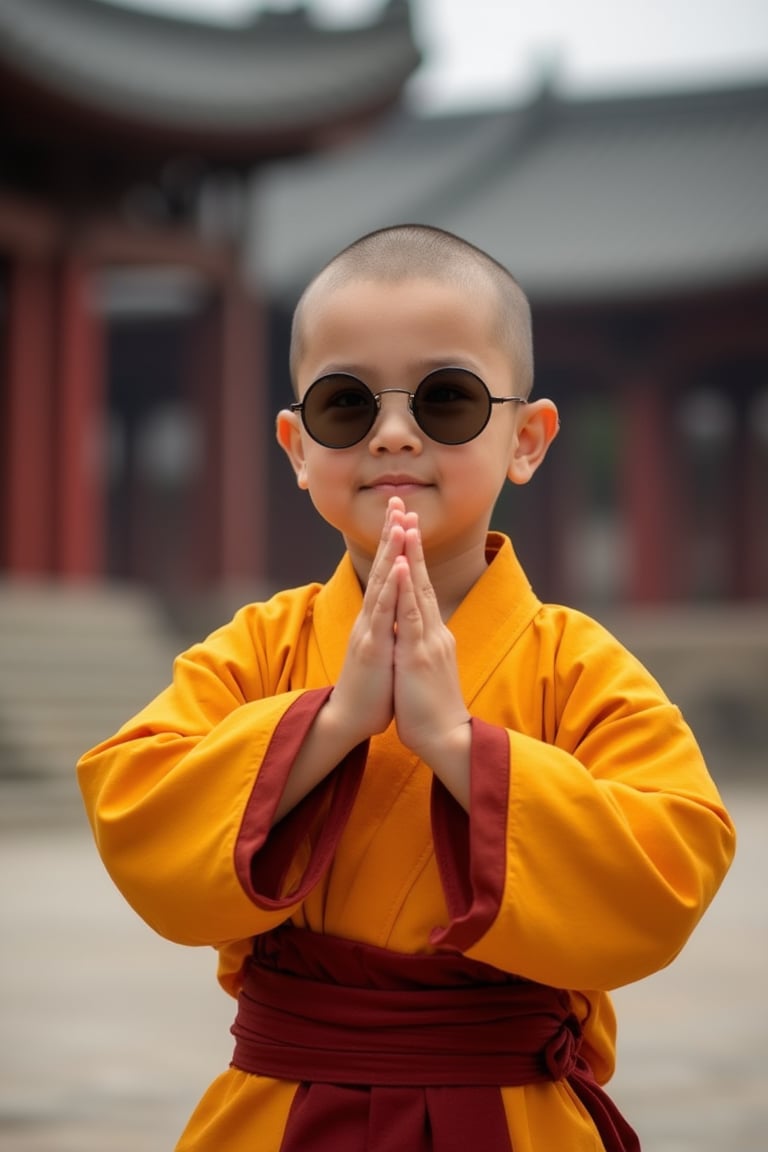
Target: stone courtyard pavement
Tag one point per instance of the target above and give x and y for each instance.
(110, 1034)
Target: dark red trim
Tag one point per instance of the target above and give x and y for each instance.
(263, 853)
(471, 849)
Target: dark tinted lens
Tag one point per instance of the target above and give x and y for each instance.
(338, 411)
(452, 405)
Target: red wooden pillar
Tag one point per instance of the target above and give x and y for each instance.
(244, 424)
(201, 376)
(80, 394)
(649, 491)
(29, 433)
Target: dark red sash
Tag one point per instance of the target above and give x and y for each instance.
(404, 1053)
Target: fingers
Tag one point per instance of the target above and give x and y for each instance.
(399, 587)
(364, 691)
(423, 592)
(380, 599)
(407, 612)
(428, 702)
(391, 544)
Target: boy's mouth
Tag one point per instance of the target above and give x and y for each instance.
(394, 484)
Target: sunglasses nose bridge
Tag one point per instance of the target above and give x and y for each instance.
(386, 392)
(381, 427)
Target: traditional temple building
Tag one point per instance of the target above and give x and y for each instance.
(132, 390)
(639, 227)
(166, 189)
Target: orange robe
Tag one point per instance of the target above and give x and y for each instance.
(594, 843)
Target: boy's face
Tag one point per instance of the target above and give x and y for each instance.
(390, 335)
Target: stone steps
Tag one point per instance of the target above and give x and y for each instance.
(75, 663)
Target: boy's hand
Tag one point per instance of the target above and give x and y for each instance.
(432, 719)
(364, 693)
(401, 662)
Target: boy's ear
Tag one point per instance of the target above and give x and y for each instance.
(288, 433)
(538, 425)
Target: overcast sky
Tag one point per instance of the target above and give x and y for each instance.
(490, 51)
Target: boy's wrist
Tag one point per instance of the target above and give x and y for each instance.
(449, 757)
(333, 721)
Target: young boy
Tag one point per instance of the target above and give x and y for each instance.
(427, 821)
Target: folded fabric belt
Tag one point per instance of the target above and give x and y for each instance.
(441, 1042)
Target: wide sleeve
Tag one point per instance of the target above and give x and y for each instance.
(592, 847)
(181, 800)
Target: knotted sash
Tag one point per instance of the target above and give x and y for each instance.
(398, 1052)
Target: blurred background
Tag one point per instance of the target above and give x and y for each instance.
(172, 172)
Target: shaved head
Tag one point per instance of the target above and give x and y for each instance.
(420, 252)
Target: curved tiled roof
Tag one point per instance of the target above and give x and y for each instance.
(276, 75)
(579, 198)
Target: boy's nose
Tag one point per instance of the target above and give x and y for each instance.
(395, 428)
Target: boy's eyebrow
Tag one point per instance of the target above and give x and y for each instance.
(419, 368)
(339, 366)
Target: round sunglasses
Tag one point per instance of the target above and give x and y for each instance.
(450, 405)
